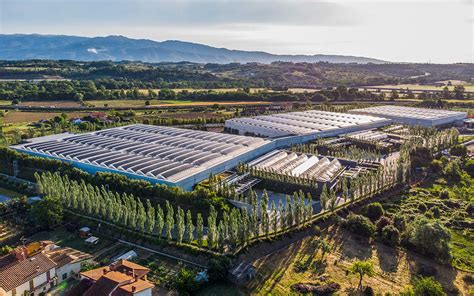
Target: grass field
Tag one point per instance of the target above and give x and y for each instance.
(63, 238)
(420, 87)
(305, 262)
(56, 104)
(14, 117)
(218, 90)
(141, 103)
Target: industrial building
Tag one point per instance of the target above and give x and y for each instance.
(309, 167)
(172, 156)
(414, 116)
(307, 125)
(183, 157)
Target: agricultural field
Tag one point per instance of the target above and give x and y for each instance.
(164, 103)
(420, 87)
(50, 104)
(14, 117)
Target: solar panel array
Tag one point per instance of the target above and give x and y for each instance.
(298, 123)
(299, 165)
(158, 152)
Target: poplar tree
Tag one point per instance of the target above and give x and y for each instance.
(159, 221)
(180, 224)
(199, 229)
(169, 220)
(189, 227)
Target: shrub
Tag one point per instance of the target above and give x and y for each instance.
(458, 150)
(374, 211)
(399, 222)
(444, 194)
(390, 235)
(184, 281)
(435, 211)
(382, 222)
(360, 225)
(430, 238)
(427, 286)
(217, 269)
(436, 166)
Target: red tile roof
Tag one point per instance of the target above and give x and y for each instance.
(14, 273)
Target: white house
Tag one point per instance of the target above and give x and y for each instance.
(20, 273)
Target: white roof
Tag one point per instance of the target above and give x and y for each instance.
(158, 152)
(85, 229)
(410, 112)
(305, 122)
(91, 239)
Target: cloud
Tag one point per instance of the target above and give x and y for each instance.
(177, 13)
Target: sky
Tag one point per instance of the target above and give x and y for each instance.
(393, 30)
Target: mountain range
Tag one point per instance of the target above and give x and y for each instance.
(120, 48)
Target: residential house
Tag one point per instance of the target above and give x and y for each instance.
(121, 278)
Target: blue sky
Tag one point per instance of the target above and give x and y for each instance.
(408, 31)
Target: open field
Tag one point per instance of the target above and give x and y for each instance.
(164, 103)
(420, 87)
(305, 262)
(14, 117)
(63, 238)
(218, 90)
(56, 104)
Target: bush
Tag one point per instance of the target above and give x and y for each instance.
(444, 194)
(430, 238)
(436, 166)
(382, 222)
(458, 150)
(427, 286)
(218, 268)
(184, 281)
(359, 224)
(374, 211)
(435, 211)
(390, 235)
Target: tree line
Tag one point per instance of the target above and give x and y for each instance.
(236, 227)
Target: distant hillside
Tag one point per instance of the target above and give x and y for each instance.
(119, 48)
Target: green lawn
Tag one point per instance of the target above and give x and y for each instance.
(64, 238)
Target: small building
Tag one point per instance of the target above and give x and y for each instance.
(126, 256)
(84, 232)
(120, 278)
(91, 240)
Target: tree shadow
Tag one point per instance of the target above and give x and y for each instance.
(278, 270)
(389, 257)
(420, 265)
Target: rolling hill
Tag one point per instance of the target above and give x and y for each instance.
(120, 48)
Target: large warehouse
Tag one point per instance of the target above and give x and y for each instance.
(414, 116)
(167, 155)
(307, 125)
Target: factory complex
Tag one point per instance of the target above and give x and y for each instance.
(184, 157)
